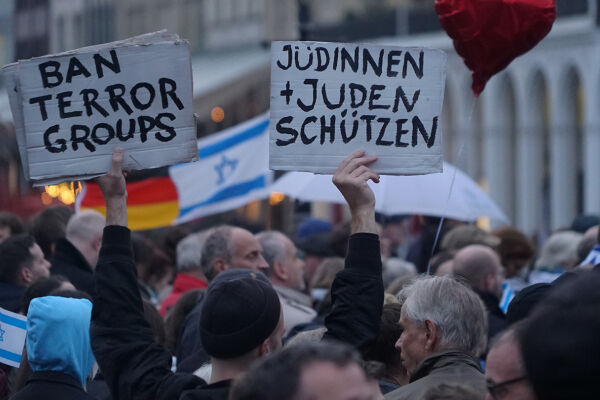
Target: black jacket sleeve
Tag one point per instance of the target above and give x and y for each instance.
(134, 366)
(357, 294)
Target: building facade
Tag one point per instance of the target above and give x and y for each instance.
(533, 136)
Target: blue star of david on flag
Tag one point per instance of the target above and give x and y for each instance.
(225, 168)
(2, 334)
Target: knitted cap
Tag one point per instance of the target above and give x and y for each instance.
(240, 310)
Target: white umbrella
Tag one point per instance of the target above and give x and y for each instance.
(418, 194)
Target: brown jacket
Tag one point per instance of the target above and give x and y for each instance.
(443, 367)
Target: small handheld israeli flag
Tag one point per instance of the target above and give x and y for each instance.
(593, 257)
(508, 295)
(13, 329)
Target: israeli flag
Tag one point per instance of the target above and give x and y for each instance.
(593, 257)
(233, 169)
(508, 295)
(13, 329)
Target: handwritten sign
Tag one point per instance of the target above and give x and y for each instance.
(76, 107)
(329, 99)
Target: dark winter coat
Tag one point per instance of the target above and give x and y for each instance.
(445, 367)
(51, 385)
(70, 263)
(11, 296)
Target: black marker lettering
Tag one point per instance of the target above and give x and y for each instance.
(81, 139)
(51, 147)
(169, 129)
(41, 100)
(113, 65)
(285, 131)
(91, 102)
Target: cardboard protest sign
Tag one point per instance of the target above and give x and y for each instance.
(72, 109)
(329, 99)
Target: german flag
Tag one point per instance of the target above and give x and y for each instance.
(151, 203)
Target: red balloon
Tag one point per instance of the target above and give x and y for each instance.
(489, 34)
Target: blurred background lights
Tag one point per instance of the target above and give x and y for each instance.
(217, 114)
(65, 192)
(276, 198)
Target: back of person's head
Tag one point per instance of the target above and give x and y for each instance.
(177, 314)
(394, 268)
(217, 245)
(479, 266)
(515, 249)
(58, 337)
(312, 226)
(559, 251)
(170, 238)
(524, 302)
(84, 231)
(241, 313)
(153, 266)
(583, 222)
(465, 235)
(326, 271)
(560, 343)
(286, 374)
(189, 251)
(45, 287)
(454, 308)
(383, 349)
(338, 238)
(15, 255)
(85, 226)
(440, 261)
(10, 225)
(48, 226)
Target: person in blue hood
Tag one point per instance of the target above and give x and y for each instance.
(58, 349)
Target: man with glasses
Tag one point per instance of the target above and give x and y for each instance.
(505, 374)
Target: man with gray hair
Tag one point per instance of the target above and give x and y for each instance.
(444, 330)
(76, 255)
(286, 273)
(189, 272)
(226, 247)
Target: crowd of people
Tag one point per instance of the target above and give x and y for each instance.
(351, 312)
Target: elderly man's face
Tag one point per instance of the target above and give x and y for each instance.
(412, 343)
(505, 376)
(293, 266)
(247, 251)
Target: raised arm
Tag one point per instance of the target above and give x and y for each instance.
(134, 366)
(357, 291)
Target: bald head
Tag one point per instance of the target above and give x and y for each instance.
(480, 267)
(84, 231)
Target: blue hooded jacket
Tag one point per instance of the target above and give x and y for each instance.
(58, 336)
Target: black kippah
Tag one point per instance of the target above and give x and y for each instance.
(238, 314)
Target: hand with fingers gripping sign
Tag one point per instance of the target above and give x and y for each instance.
(351, 179)
(112, 186)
